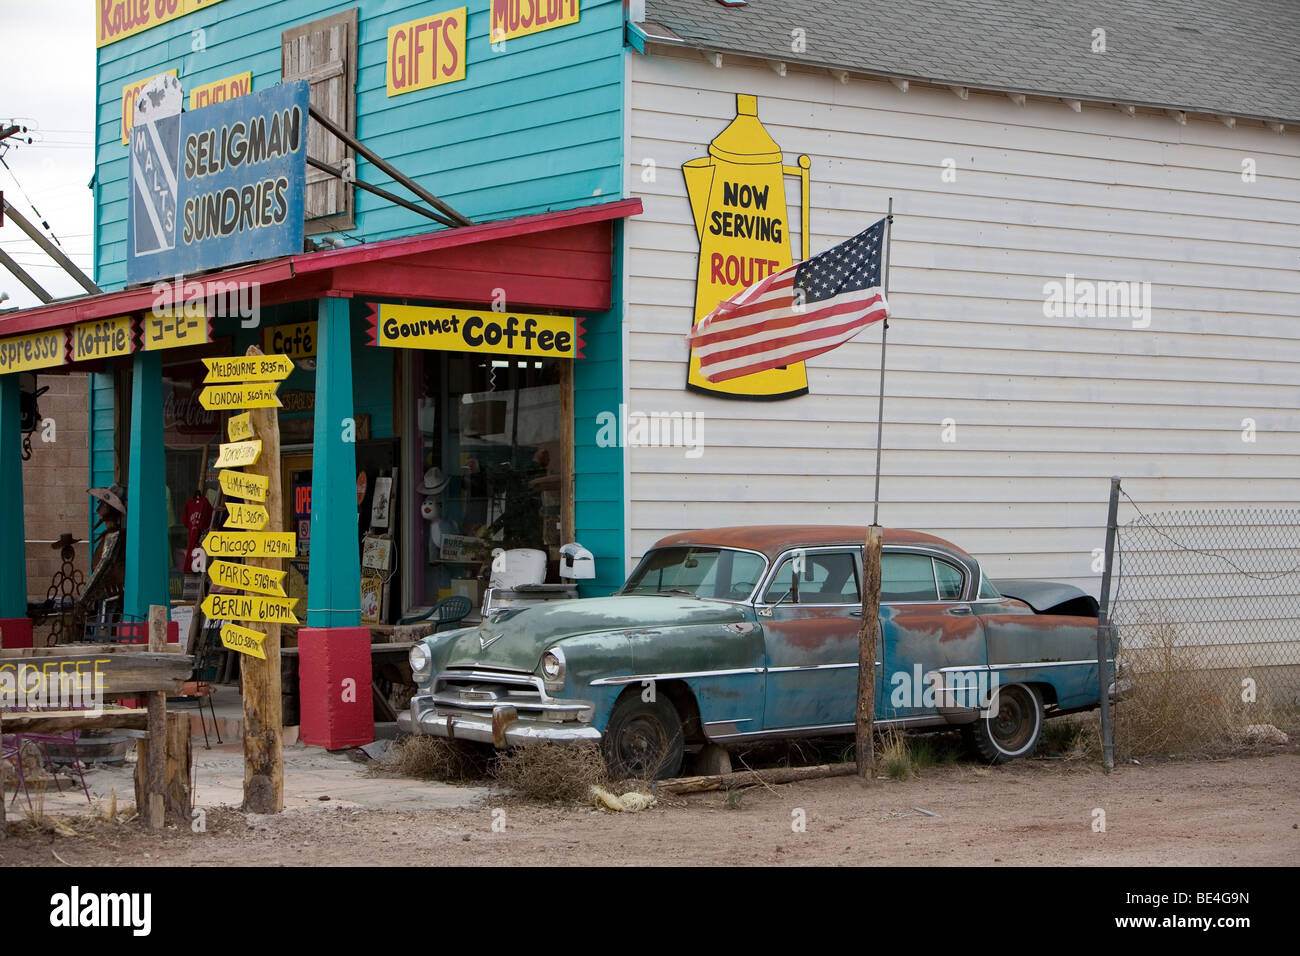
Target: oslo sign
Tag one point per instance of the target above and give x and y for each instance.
(225, 187)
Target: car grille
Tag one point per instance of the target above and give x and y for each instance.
(460, 690)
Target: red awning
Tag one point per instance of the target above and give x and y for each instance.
(552, 260)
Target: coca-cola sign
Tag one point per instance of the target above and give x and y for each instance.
(186, 423)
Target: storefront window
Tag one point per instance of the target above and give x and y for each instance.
(485, 477)
(190, 435)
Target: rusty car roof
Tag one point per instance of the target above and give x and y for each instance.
(772, 540)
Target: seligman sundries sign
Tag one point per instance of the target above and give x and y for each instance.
(219, 185)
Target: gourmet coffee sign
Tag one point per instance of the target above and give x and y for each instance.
(226, 187)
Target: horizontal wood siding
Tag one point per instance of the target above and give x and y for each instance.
(1046, 409)
(533, 128)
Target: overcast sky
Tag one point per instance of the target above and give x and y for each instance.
(47, 81)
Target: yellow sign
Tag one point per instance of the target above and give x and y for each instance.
(22, 353)
(248, 368)
(249, 607)
(250, 544)
(221, 90)
(467, 330)
(174, 328)
(243, 639)
(518, 18)
(102, 338)
(248, 517)
(246, 578)
(130, 93)
(426, 52)
(296, 340)
(118, 19)
(240, 427)
(737, 196)
(239, 484)
(251, 395)
(237, 454)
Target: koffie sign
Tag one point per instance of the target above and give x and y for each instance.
(471, 330)
(236, 174)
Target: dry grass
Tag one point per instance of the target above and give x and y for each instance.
(434, 758)
(1073, 738)
(552, 772)
(1176, 708)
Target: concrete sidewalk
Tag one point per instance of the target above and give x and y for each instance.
(310, 774)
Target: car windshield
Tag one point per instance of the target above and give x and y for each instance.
(718, 573)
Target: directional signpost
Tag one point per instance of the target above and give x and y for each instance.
(238, 484)
(240, 427)
(243, 639)
(237, 454)
(251, 517)
(249, 607)
(261, 580)
(250, 381)
(251, 395)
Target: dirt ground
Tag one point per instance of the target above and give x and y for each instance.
(1243, 811)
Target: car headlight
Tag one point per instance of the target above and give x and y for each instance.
(421, 662)
(553, 668)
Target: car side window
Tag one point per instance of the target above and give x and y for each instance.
(826, 577)
(949, 579)
(907, 577)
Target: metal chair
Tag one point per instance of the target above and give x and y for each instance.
(450, 610)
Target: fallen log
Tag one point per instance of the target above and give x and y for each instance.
(754, 778)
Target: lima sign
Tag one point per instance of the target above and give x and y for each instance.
(217, 186)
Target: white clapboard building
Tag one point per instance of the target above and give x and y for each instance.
(1095, 264)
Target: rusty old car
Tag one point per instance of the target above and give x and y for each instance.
(733, 635)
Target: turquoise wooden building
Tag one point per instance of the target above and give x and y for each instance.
(513, 115)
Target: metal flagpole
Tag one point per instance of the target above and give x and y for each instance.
(884, 334)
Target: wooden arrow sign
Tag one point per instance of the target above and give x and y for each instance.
(252, 395)
(239, 484)
(250, 544)
(247, 578)
(248, 607)
(240, 427)
(248, 368)
(251, 517)
(237, 454)
(243, 639)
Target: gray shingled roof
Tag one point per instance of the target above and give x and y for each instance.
(1236, 57)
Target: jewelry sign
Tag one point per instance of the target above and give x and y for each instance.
(217, 185)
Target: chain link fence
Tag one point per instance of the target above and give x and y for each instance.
(1206, 607)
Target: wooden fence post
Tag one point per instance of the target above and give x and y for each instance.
(868, 642)
(152, 813)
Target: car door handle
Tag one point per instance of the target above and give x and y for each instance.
(960, 609)
(857, 613)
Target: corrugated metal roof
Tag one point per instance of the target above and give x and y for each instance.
(1235, 57)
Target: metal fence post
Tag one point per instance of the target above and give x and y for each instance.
(1103, 630)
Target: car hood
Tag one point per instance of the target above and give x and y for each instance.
(517, 641)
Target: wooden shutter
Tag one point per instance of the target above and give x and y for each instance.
(324, 53)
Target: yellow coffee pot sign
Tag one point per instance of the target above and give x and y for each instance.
(737, 196)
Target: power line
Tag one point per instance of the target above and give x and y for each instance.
(45, 224)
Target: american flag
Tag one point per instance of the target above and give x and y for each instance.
(792, 315)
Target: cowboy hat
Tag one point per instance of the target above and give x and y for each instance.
(434, 482)
(111, 496)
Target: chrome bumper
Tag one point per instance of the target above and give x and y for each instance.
(502, 728)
